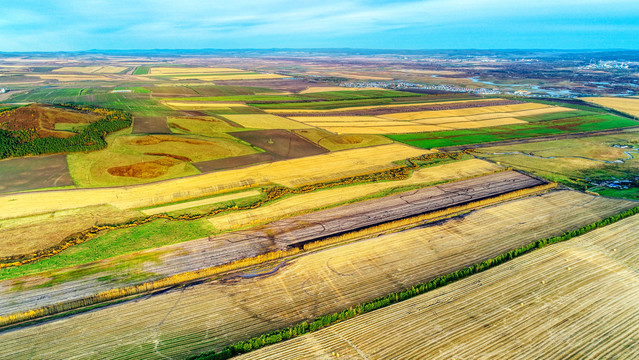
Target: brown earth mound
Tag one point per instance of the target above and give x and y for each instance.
(157, 139)
(145, 170)
(43, 118)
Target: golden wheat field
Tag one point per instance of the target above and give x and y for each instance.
(627, 105)
(208, 316)
(500, 110)
(229, 76)
(290, 173)
(307, 202)
(265, 121)
(574, 299)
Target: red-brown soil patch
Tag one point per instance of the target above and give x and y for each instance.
(177, 157)
(43, 119)
(145, 170)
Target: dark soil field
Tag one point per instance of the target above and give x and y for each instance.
(18, 174)
(280, 143)
(150, 125)
(233, 162)
(43, 119)
(277, 144)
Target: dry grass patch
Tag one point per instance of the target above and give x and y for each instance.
(400, 128)
(201, 105)
(419, 115)
(627, 105)
(209, 201)
(334, 142)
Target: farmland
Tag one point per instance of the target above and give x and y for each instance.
(563, 284)
(159, 206)
(295, 295)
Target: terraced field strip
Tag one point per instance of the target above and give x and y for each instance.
(209, 201)
(623, 104)
(291, 173)
(574, 299)
(504, 109)
(211, 315)
(311, 201)
(385, 106)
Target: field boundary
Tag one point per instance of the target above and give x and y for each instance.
(302, 328)
(185, 278)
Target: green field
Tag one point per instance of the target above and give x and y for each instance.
(519, 131)
(142, 70)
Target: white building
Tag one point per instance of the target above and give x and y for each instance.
(3, 90)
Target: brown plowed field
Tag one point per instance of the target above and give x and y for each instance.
(18, 174)
(150, 125)
(233, 162)
(208, 316)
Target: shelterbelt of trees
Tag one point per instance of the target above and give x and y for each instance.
(26, 141)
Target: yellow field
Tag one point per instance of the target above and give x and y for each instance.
(92, 69)
(396, 129)
(288, 173)
(284, 111)
(200, 105)
(63, 77)
(209, 201)
(502, 109)
(190, 70)
(574, 299)
(198, 318)
(339, 119)
(627, 105)
(265, 121)
(319, 199)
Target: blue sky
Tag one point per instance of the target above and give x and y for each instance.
(41, 25)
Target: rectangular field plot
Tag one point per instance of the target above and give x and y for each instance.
(150, 125)
(30, 173)
(627, 105)
(214, 314)
(566, 299)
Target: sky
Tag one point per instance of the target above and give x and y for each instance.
(72, 25)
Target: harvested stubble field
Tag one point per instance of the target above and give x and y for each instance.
(195, 203)
(91, 69)
(311, 201)
(213, 314)
(291, 173)
(623, 104)
(554, 303)
(280, 143)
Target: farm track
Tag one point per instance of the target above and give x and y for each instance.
(539, 139)
(283, 234)
(213, 314)
(574, 299)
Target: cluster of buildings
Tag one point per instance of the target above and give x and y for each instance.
(602, 65)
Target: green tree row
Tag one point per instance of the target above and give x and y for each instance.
(242, 347)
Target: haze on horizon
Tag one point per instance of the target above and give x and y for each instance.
(73, 25)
